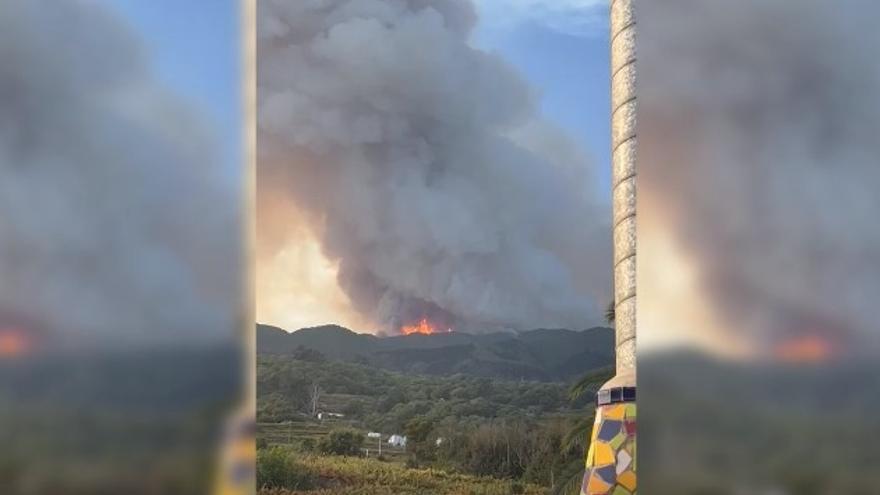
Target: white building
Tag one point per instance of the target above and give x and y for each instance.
(328, 415)
(397, 440)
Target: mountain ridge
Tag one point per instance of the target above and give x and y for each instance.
(539, 354)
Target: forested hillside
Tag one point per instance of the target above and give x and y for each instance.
(543, 354)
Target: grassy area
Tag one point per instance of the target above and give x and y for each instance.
(359, 476)
(294, 433)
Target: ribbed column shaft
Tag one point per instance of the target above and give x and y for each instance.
(623, 180)
(610, 467)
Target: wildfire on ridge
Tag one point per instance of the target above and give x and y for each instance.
(806, 349)
(13, 342)
(423, 327)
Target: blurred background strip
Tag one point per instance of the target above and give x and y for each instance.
(120, 245)
(759, 273)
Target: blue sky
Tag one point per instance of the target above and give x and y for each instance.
(562, 48)
(194, 49)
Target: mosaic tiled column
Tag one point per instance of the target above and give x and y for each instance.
(611, 459)
(611, 463)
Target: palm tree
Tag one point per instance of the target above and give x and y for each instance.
(590, 382)
(609, 313)
(577, 436)
(570, 479)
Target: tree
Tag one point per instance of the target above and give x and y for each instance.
(315, 398)
(580, 431)
(418, 429)
(610, 315)
(569, 481)
(590, 382)
(276, 468)
(304, 353)
(417, 432)
(342, 442)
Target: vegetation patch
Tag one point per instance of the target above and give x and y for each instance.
(337, 475)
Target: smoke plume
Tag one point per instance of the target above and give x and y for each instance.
(116, 223)
(758, 152)
(424, 168)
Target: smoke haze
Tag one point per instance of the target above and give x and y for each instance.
(758, 174)
(424, 169)
(758, 157)
(118, 223)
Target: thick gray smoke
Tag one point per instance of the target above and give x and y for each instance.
(116, 225)
(424, 168)
(759, 125)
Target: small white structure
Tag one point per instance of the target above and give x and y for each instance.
(327, 415)
(397, 440)
(374, 434)
(439, 441)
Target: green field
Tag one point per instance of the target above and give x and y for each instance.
(330, 475)
(294, 433)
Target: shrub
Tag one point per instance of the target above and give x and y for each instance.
(307, 444)
(342, 442)
(276, 468)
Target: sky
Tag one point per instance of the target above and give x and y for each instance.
(562, 51)
(194, 48)
(559, 47)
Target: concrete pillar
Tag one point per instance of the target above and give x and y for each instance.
(611, 459)
(623, 180)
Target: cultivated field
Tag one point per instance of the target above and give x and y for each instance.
(296, 433)
(332, 475)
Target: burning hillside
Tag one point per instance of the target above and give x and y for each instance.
(806, 349)
(424, 327)
(14, 342)
(425, 170)
(19, 335)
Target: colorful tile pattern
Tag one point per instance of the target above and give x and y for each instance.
(611, 458)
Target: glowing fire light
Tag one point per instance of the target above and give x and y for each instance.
(807, 349)
(13, 342)
(423, 327)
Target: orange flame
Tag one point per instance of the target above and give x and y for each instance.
(807, 349)
(13, 342)
(423, 327)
